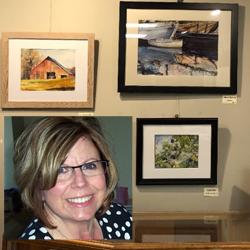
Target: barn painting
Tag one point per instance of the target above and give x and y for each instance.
(52, 69)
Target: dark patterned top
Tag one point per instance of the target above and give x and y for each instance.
(116, 223)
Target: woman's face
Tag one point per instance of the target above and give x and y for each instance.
(79, 197)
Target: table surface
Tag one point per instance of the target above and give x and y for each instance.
(224, 228)
(192, 228)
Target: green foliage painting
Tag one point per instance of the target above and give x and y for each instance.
(176, 151)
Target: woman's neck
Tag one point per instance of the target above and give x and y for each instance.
(74, 230)
(87, 230)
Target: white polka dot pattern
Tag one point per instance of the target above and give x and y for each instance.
(127, 236)
(47, 238)
(32, 237)
(127, 223)
(32, 231)
(116, 223)
(118, 234)
(36, 231)
(105, 220)
(43, 230)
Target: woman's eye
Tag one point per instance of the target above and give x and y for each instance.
(90, 166)
(63, 170)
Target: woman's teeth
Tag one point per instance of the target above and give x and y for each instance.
(80, 200)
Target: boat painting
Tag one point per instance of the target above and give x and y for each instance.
(166, 43)
(178, 48)
(194, 43)
(156, 29)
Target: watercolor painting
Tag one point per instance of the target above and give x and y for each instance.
(178, 47)
(47, 69)
(176, 151)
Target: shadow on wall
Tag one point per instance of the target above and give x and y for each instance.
(240, 200)
(224, 139)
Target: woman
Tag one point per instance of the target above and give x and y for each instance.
(67, 178)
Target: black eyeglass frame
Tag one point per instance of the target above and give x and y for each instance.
(81, 165)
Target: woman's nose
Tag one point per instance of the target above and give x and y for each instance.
(79, 178)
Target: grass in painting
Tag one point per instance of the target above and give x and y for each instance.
(48, 84)
(176, 151)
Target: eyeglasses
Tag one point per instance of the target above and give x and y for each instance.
(89, 169)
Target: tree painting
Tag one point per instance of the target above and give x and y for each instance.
(176, 151)
(47, 69)
(29, 58)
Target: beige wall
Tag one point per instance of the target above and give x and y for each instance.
(101, 17)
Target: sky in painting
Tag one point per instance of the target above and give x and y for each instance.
(66, 57)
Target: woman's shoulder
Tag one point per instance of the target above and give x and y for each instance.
(35, 231)
(119, 209)
(116, 222)
(118, 212)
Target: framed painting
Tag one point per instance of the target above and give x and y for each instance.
(178, 47)
(174, 151)
(47, 70)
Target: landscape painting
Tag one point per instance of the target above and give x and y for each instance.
(176, 151)
(178, 47)
(47, 69)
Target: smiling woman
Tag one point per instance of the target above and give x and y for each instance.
(66, 176)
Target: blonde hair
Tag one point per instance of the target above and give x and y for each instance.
(42, 148)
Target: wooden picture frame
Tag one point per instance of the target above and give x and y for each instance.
(47, 70)
(176, 151)
(188, 48)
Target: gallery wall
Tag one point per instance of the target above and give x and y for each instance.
(102, 18)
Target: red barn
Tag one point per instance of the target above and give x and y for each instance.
(49, 68)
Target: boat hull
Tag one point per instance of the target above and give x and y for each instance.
(201, 44)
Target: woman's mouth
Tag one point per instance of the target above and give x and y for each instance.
(80, 200)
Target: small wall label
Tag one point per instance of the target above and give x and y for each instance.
(211, 192)
(229, 99)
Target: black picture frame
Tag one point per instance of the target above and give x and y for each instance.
(176, 151)
(135, 68)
